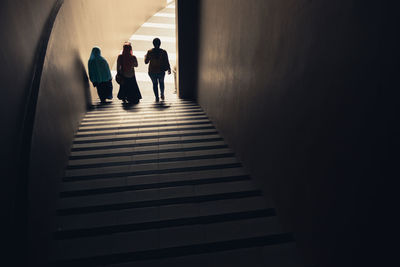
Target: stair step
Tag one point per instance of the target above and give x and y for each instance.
(148, 130)
(141, 122)
(143, 125)
(162, 224)
(128, 188)
(83, 143)
(279, 255)
(143, 119)
(149, 169)
(147, 248)
(156, 194)
(152, 158)
(147, 143)
(159, 202)
(138, 133)
(107, 153)
(171, 127)
(153, 178)
(144, 116)
(170, 212)
(143, 111)
(131, 157)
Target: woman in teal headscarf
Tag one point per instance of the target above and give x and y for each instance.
(100, 75)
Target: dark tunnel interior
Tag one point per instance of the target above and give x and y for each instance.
(304, 92)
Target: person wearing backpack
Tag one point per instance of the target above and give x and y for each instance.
(159, 64)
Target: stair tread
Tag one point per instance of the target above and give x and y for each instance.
(166, 238)
(156, 194)
(169, 156)
(152, 178)
(170, 212)
(135, 169)
(281, 255)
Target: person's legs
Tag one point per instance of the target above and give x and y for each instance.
(122, 92)
(155, 84)
(162, 86)
(101, 91)
(109, 86)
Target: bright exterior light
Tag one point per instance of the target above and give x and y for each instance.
(166, 15)
(164, 39)
(142, 40)
(159, 25)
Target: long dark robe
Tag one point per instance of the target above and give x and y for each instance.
(104, 90)
(129, 90)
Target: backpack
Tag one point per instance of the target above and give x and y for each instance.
(159, 62)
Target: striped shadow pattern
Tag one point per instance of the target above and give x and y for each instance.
(156, 185)
(151, 186)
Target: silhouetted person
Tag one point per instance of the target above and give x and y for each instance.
(159, 63)
(126, 63)
(100, 75)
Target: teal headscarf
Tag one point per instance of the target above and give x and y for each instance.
(99, 71)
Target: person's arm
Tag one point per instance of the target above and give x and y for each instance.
(119, 66)
(135, 63)
(147, 57)
(91, 74)
(108, 70)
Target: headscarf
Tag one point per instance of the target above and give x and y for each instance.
(99, 71)
(127, 58)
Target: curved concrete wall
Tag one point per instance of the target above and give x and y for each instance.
(304, 92)
(64, 92)
(21, 25)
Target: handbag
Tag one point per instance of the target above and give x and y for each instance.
(119, 78)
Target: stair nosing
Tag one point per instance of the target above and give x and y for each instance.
(180, 251)
(133, 153)
(157, 202)
(186, 221)
(135, 187)
(150, 172)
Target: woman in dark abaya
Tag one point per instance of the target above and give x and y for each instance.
(100, 75)
(126, 63)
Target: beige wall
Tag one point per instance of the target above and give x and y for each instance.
(64, 90)
(106, 24)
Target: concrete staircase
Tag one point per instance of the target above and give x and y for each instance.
(155, 185)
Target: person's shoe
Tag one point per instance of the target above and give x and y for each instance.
(162, 97)
(157, 99)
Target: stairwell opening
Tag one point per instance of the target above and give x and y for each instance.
(161, 25)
